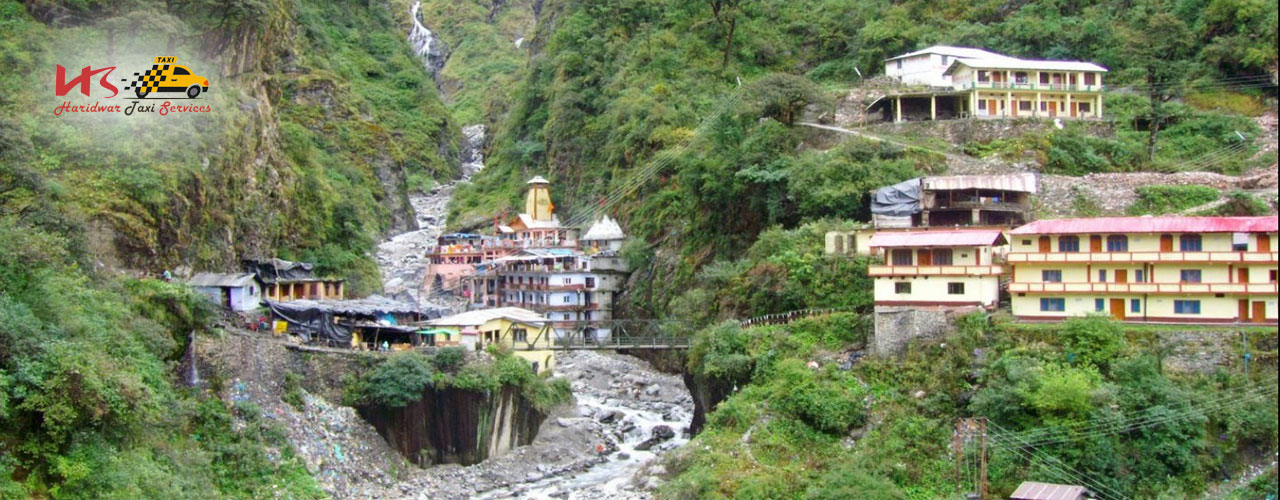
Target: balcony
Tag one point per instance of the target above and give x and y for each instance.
(1032, 87)
(1143, 257)
(935, 270)
(1156, 288)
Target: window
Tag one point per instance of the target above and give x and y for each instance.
(1117, 243)
(1044, 79)
(1051, 276)
(902, 287)
(568, 299)
(1190, 243)
(1053, 305)
(899, 63)
(902, 257)
(1084, 107)
(180, 71)
(1240, 242)
(982, 104)
(1099, 305)
(1273, 275)
(1186, 307)
(1190, 276)
(1020, 77)
(1102, 276)
(1044, 106)
(591, 282)
(520, 335)
(955, 288)
(1024, 105)
(1135, 305)
(1139, 276)
(942, 257)
(1090, 79)
(983, 76)
(568, 281)
(1067, 244)
(1026, 243)
(945, 60)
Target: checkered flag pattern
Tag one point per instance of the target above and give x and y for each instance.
(148, 81)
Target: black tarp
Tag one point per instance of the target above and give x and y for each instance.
(273, 270)
(899, 200)
(314, 322)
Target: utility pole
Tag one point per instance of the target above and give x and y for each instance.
(966, 430)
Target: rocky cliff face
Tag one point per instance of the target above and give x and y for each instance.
(457, 426)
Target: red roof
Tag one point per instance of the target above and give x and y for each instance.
(1168, 224)
(937, 238)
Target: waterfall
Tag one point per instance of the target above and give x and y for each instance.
(193, 374)
(426, 44)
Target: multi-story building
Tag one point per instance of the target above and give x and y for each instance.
(1146, 269)
(939, 268)
(942, 82)
(574, 288)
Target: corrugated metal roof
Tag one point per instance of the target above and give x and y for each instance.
(1031, 490)
(947, 50)
(1024, 182)
(959, 238)
(1014, 63)
(229, 280)
(481, 316)
(1166, 224)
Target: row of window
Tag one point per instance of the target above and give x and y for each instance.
(904, 288)
(1120, 243)
(936, 257)
(1022, 77)
(1083, 106)
(1139, 275)
(1048, 304)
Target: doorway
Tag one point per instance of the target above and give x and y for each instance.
(1259, 312)
(1242, 313)
(1117, 309)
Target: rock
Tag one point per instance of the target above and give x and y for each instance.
(918, 394)
(623, 456)
(563, 422)
(659, 434)
(653, 390)
(612, 417)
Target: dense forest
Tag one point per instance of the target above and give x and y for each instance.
(681, 118)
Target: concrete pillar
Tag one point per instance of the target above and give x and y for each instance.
(1099, 111)
(973, 103)
(974, 217)
(1008, 103)
(1067, 107)
(897, 109)
(933, 108)
(1035, 108)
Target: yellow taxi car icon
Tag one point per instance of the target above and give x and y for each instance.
(164, 76)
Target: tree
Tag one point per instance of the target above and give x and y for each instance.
(726, 13)
(1160, 46)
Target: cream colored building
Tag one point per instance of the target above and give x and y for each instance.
(527, 333)
(947, 268)
(1146, 269)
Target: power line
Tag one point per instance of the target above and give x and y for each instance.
(1062, 468)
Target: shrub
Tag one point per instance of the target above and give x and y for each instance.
(1093, 339)
(397, 380)
(448, 359)
(1240, 203)
(815, 399)
(1161, 200)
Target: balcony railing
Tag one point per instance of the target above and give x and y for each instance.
(1175, 288)
(1153, 257)
(1041, 87)
(935, 270)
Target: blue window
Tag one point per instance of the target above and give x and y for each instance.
(1135, 305)
(1190, 243)
(1053, 305)
(1139, 276)
(1186, 307)
(1051, 276)
(1099, 305)
(1117, 243)
(1190, 276)
(1068, 243)
(1102, 275)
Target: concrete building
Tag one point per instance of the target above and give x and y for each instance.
(526, 332)
(937, 268)
(238, 292)
(1170, 269)
(955, 200)
(943, 82)
(282, 280)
